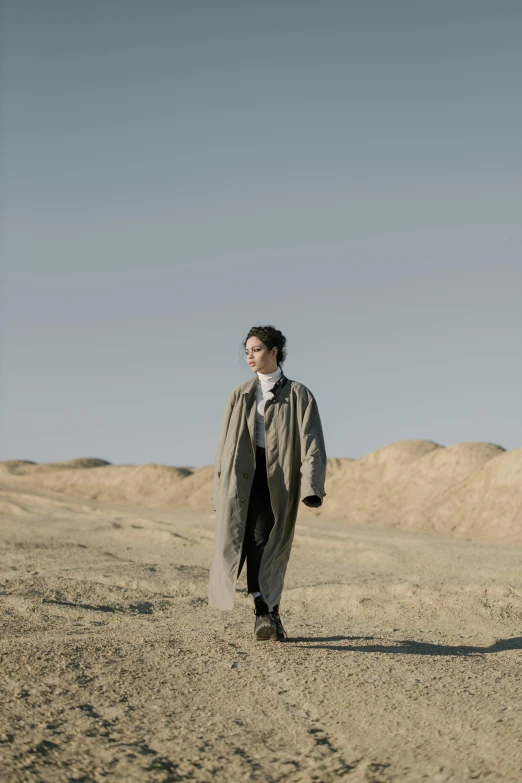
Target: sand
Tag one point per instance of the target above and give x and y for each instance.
(403, 606)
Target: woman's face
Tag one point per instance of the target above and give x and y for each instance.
(260, 359)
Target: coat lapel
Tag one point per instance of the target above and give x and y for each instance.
(250, 410)
(250, 403)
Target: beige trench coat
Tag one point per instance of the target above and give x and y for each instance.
(296, 468)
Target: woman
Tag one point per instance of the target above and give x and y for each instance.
(270, 456)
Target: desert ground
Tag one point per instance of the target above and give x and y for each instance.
(402, 604)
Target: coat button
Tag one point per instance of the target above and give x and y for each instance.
(245, 475)
(242, 500)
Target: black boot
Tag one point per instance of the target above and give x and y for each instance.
(281, 633)
(265, 627)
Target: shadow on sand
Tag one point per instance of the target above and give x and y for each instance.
(403, 646)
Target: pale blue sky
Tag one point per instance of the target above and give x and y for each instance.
(174, 172)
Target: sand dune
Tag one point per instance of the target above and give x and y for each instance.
(466, 489)
(423, 489)
(149, 485)
(486, 504)
(24, 467)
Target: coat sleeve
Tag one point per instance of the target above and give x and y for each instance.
(225, 421)
(313, 452)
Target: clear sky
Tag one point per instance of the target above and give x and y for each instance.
(176, 171)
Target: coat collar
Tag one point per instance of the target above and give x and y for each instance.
(252, 385)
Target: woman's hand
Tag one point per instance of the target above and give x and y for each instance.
(313, 500)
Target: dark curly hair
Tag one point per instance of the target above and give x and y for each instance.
(272, 338)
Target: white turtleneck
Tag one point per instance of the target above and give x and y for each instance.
(266, 382)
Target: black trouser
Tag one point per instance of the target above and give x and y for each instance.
(260, 521)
